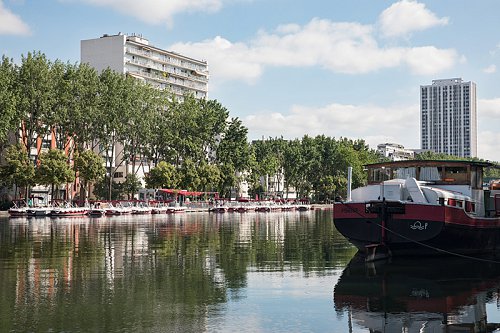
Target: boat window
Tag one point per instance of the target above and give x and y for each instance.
(380, 174)
(456, 175)
(430, 174)
(404, 173)
(470, 207)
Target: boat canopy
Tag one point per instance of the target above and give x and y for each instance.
(186, 193)
(441, 172)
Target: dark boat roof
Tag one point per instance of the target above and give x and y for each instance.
(413, 163)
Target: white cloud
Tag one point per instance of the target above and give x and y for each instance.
(489, 109)
(494, 52)
(339, 47)
(374, 124)
(429, 60)
(11, 24)
(490, 69)
(226, 60)
(489, 145)
(158, 11)
(405, 17)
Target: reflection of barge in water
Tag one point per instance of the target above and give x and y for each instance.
(437, 295)
(422, 207)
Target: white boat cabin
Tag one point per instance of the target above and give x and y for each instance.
(451, 183)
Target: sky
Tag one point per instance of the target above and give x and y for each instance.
(292, 68)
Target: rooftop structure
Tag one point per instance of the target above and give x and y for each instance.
(395, 151)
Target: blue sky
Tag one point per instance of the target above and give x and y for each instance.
(289, 68)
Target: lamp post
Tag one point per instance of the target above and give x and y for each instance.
(382, 184)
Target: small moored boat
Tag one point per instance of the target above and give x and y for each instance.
(20, 209)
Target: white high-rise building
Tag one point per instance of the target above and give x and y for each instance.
(133, 55)
(448, 117)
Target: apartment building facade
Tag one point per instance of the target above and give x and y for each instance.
(395, 151)
(448, 117)
(133, 55)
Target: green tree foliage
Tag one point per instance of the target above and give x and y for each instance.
(131, 185)
(8, 98)
(430, 155)
(18, 169)
(190, 179)
(233, 154)
(140, 123)
(193, 143)
(81, 98)
(209, 175)
(164, 175)
(54, 169)
(314, 166)
(90, 168)
(36, 96)
(101, 189)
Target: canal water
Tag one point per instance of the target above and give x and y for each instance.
(251, 272)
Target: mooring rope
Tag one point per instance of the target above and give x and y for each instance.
(420, 243)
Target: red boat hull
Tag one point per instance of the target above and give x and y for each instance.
(417, 229)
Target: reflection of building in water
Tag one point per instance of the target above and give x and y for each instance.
(442, 295)
(43, 275)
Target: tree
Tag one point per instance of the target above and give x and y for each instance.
(140, 123)
(190, 179)
(56, 119)
(101, 189)
(268, 161)
(18, 170)
(36, 98)
(90, 168)
(54, 170)
(233, 154)
(209, 176)
(83, 96)
(131, 185)
(430, 155)
(211, 122)
(115, 109)
(293, 163)
(164, 175)
(8, 100)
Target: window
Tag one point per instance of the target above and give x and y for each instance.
(46, 143)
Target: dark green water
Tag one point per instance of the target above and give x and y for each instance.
(200, 272)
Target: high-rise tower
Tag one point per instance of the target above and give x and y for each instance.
(448, 117)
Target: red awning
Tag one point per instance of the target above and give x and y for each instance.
(185, 192)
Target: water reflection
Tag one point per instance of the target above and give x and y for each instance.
(153, 273)
(431, 295)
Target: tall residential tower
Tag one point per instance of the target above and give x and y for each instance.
(448, 117)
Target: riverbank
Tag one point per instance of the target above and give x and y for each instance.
(205, 210)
